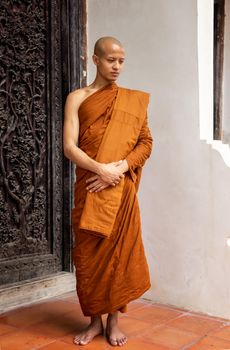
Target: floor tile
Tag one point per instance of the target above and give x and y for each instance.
(76, 313)
(97, 341)
(211, 343)
(169, 307)
(173, 338)
(137, 344)
(68, 338)
(215, 318)
(195, 324)
(134, 305)
(23, 340)
(58, 345)
(24, 317)
(5, 328)
(132, 326)
(58, 327)
(57, 307)
(223, 333)
(66, 295)
(154, 314)
(71, 299)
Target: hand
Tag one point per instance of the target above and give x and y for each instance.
(110, 173)
(123, 166)
(96, 184)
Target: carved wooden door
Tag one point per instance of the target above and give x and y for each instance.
(35, 179)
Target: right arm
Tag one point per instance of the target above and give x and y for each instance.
(108, 172)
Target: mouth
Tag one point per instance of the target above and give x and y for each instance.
(115, 74)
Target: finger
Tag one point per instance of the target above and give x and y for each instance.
(95, 187)
(120, 176)
(92, 184)
(114, 182)
(92, 178)
(101, 188)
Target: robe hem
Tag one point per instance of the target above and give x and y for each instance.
(119, 306)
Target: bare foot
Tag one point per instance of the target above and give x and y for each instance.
(113, 333)
(86, 336)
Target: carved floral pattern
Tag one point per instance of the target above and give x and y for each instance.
(24, 128)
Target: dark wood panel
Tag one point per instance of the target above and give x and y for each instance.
(74, 61)
(35, 179)
(219, 19)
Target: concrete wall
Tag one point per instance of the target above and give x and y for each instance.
(185, 191)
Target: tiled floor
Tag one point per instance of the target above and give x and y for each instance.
(51, 325)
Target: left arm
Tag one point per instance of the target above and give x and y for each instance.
(136, 158)
(141, 152)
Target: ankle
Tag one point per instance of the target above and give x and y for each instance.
(112, 318)
(96, 320)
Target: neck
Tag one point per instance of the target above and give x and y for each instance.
(99, 83)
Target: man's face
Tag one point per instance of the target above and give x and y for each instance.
(110, 63)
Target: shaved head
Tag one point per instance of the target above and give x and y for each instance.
(108, 57)
(101, 44)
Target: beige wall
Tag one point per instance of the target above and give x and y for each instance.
(185, 191)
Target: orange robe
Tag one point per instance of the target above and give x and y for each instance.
(111, 267)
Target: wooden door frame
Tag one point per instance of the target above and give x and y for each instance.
(74, 62)
(219, 19)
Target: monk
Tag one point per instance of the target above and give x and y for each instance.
(106, 135)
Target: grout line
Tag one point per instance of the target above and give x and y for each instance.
(43, 345)
(194, 342)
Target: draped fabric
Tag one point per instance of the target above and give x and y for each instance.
(111, 269)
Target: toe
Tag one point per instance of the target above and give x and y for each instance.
(76, 340)
(113, 342)
(84, 340)
(123, 341)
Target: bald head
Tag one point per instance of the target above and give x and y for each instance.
(108, 57)
(103, 43)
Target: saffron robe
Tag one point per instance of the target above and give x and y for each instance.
(111, 267)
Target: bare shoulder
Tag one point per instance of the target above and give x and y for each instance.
(77, 96)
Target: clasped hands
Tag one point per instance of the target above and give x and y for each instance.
(109, 174)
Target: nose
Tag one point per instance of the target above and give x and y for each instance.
(116, 65)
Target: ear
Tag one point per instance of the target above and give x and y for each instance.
(95, 59)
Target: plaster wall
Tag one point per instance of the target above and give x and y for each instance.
(226, 86)
(185, 190)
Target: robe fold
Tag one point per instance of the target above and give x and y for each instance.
(111, 267)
